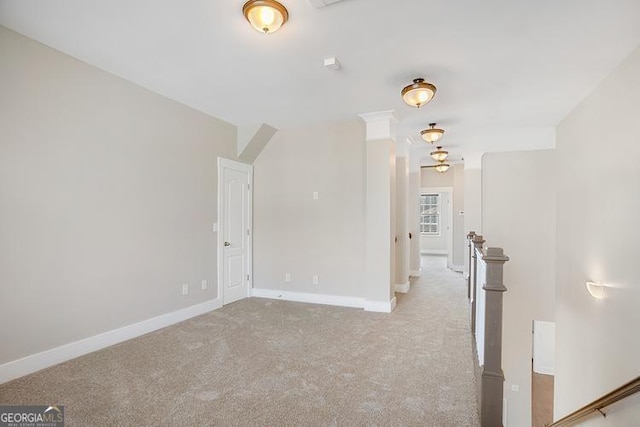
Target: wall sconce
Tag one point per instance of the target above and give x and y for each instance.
(595, 289)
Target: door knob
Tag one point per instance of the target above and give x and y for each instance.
(227, 244)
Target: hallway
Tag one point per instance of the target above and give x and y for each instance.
(266, 362)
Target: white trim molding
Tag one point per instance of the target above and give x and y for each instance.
(457, 268)
(434, 252)
(380, 125)
(336, 300)
(380, 306)
(403, 288)
(35, 362)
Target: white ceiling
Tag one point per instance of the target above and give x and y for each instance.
(507, 71)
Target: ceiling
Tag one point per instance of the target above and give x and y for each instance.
(507, 71)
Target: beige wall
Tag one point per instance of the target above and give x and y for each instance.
(402, 221)
(457, 221)
(597, 343)
(107, 200)
(519, 216)
(429, 177)
(472, 207)
(293, 233)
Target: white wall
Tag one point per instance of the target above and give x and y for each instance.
(457, 220)
(519, 216)
(402, 220)
(472, 207)
(293, 233)
(429, 177)
(414, 213)
(597, 345)
(107, 199)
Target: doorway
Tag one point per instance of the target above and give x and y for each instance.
(235, 230)
(436, 214)
(542, 373)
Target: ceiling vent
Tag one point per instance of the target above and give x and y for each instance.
(322, 3)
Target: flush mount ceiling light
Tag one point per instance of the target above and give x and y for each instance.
(432, 134)
(439, 155)
(442, 167)
(418, 93)
(266, 16)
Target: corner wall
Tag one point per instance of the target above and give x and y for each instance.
(107, 200)
(598, 200)
(518, 215)
(293, 233)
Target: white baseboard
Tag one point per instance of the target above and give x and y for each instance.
(35, 362)
(355, 302)
(434, 252)
(403, 288)
(309, 298)
(415, 273)
(457, 268)
(380, 306)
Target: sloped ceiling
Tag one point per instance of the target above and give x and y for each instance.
(507, 71)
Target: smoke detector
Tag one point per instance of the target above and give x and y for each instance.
(332, 64)
(322, 3)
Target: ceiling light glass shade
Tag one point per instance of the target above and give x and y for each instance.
(439, 155)
(266, 16)
(432, 134)
(418, 93)
(442, 167)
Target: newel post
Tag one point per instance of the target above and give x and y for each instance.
(469, 246)
(477, 241)
(492, 379)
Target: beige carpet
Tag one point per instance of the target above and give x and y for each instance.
(274, 363)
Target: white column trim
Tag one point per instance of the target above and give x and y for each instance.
(473, 160)
(380, 125)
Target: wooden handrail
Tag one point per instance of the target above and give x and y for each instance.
(630, 388)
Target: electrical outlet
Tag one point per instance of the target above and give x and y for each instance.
(316, 196)
(515, 387)
(315, 279)
(287, 277)
(185, 288)
(204, 284)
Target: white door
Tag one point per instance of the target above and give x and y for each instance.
(234, 239)
(544, 347)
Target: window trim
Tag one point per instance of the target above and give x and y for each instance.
(438, 204)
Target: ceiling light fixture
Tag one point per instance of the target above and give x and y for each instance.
(439, 155)
(418, 93)
(266, 16)
(432, 134)
(442, 167)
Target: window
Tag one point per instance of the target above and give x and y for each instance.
(430, 214)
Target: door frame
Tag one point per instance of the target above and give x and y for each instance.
(224, 163)
(449, 191)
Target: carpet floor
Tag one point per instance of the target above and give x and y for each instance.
(260, 362)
